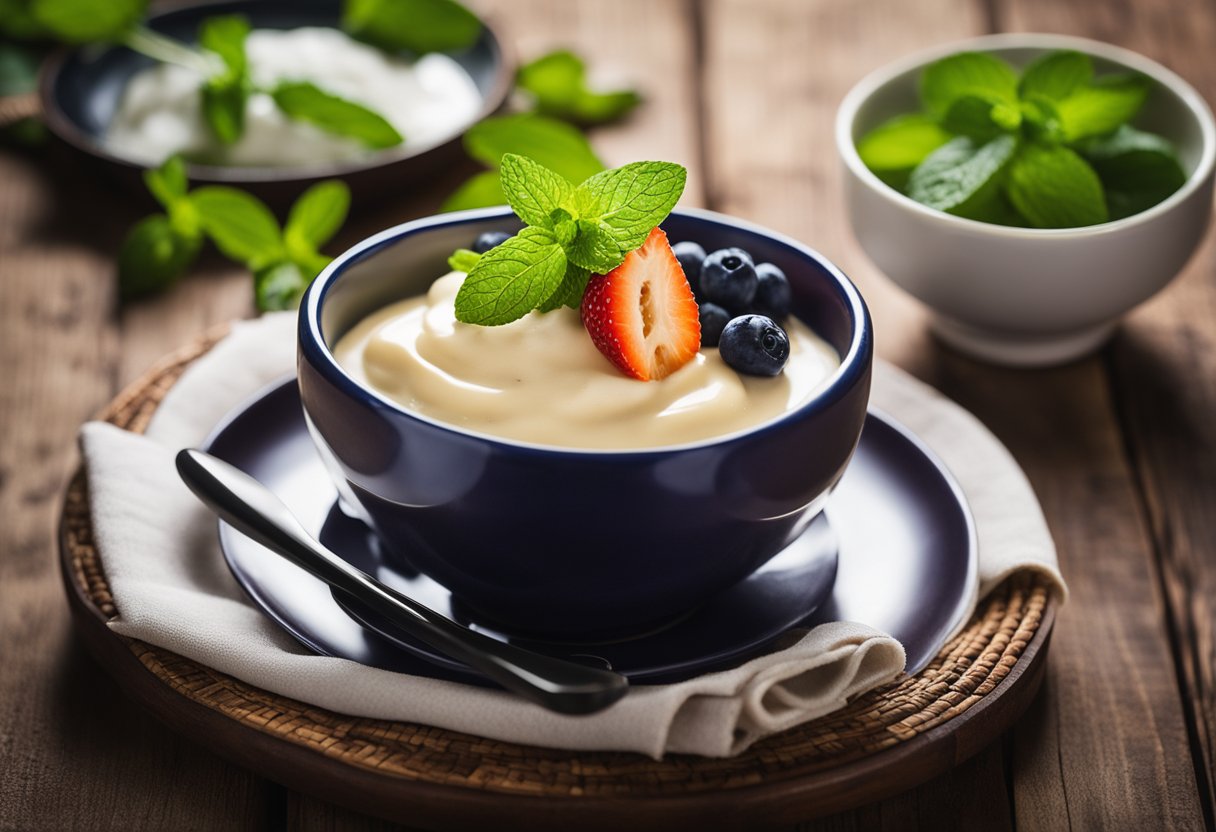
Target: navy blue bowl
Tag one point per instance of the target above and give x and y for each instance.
(568, 544)
(81, 88)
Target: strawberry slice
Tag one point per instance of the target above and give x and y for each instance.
(642, 315)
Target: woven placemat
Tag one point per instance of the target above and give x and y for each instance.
(968, 669)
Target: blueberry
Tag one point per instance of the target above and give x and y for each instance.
(713, 319)
(489, 240)
(755, 345)
(690, 256)
(772, 292)
(728, 278)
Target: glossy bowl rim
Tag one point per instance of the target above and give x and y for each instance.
(72, 133)
(854, 364)
(846, 116)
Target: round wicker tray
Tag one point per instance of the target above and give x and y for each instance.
(884, 742)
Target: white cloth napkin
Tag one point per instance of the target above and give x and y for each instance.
(172, 588)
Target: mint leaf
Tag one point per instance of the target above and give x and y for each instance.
(557, 83)
(961, 177)
(533, 191)
(483, 190)
(225, 35)
(417, 25)
(554, 144)
(1053, 187)
(85, 21)
(153, 256)
(512, 279)
(224, 109)
(976, 118)
(1137, 169)
(631, 200)
(570, 291)
(463, 260)
(304, 101)
(1100, 108)
(895, 147)
(1056, 76)
(168, 182)
(240, 225)
(279, 286)
(967, 73)
(318, 214)
(595, 247)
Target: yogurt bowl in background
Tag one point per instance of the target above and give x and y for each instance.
(563, 543)
(1027, 296)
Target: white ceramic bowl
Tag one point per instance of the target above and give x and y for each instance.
(1024, 296)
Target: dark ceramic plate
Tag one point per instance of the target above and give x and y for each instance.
(898, 538)
(80, 90)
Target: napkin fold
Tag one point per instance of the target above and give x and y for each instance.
(173, 589)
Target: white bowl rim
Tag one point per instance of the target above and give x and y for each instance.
(846, 115)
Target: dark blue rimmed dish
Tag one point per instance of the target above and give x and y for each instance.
(80, 89)
(567, 544)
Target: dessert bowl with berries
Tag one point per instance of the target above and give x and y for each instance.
(586, 416)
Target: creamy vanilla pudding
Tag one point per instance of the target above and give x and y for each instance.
(542, 380)
(427, 100)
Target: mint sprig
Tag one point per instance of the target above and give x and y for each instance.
(1049, 149)
(160, 248)
(571, 232)
(557, 83)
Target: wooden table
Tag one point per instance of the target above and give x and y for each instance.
(1121, 447)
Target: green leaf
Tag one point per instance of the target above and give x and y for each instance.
(512, 279)
(224, 103)
(975, 118)
(895, 147)
(967, 73)
(554, 144)
(483, 190)
(1056, 75)
(570, 291)
(1053, 187)
(533, 191)
(318, 214)
(557, 83)
(168, 182)
(240, 225)
(225, 35)
(18, 68)
(1137, 169)
(1098, 109)
(85, 21)
(463, 260)
(153, 257)
(962, 177)
(595, 247)
(278, 286)
(417, 25)
(632, 199)
(304, 101)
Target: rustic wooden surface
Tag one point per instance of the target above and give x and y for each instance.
(1121, 447)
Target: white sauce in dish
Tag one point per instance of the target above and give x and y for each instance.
(428, 101)
(541, 379)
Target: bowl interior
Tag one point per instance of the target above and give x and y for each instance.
(1165, 112)
(403, 262)
(89, 84)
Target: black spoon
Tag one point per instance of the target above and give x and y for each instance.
(254, 510)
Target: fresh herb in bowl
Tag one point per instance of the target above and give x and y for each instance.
(1049, 148)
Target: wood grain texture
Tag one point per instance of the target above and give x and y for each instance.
(74, 751)
(1163, 369)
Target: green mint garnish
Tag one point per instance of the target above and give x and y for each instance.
(571, 232)
(86, 21)
(417, 25)
(225, 94)
(1051, 149)
(557, 83)
(463, 260)
(304, 101)
(161, 247)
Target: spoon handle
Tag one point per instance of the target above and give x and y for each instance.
(255, 511)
